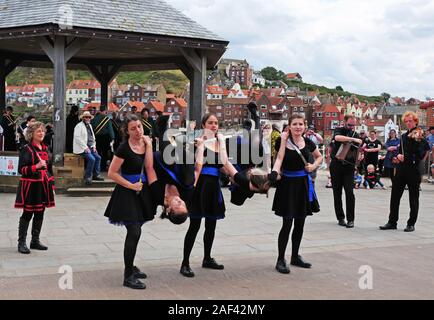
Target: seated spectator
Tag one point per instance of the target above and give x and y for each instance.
(357, 179)
(84, 144)
(372, 178)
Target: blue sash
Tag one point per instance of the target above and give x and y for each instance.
(134, 178)
(215, 172)
(302, 173)
(172, 174)
(210, 171)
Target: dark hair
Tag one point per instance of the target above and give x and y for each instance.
(128, 119)
(206, 117)
(174, 218)
(373, 131)
(74, 109)
(296, 116)
(349, 116)
(143, 111)
(9, 108)
(30, 118)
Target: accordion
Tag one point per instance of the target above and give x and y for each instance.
(349, 153)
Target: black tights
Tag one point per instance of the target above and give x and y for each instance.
(297, 234)
(27, 215)
(131, 241)
(190, 237)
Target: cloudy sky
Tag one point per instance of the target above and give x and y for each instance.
(368, 47)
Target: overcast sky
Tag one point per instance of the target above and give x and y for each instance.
(367, 47)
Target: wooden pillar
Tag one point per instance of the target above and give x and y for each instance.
(2, 82)
(104, 74)
(59, 100)
(197, 75)
(59, 52)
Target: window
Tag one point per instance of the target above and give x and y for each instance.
(301, 109)
(334, 114)
(175, 117)
(295, 108)
(263, 106)
(319, 114)
(152, 109)
(169, 109)
(136, 88)
(176, 109)
(285, 116)
(76, 91)
(219, 114)
(219, 107)
(172, 103)
(327, 114)
(228, 112)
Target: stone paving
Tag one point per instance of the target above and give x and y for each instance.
(246, 243)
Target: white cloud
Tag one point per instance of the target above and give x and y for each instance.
(367, 46)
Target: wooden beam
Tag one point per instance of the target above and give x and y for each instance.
(75, 47)
(11, 65)
(48, 48)
(192, 58)
(59, 63)
(186, 70)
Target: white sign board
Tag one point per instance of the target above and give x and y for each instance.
(390, 125)
(8, 166)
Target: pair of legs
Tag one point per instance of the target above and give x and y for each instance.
(93, 165)
(208, 239)
(132, 273)
(297, 235)
(343, 177)
(38, 218)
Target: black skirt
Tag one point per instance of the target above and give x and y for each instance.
(35, 194)
(291, 200)
(207, 200)
(128, 207)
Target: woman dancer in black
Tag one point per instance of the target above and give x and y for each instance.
(36, 188)
(207, 200)
(295, 196)
(131, 203)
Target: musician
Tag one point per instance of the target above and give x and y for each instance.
(149, 127)
(342, 172)
(22, 131)
(412, 150)
(8, 124)
(104, 135)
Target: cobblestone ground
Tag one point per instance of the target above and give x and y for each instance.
(401, 264)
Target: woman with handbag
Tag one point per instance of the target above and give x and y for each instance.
(295, 196)
(36, 188)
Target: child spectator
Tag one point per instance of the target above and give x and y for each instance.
(372, 178)
(357, 179)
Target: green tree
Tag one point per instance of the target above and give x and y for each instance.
(269, 73)
(339, 88)
(386, 96)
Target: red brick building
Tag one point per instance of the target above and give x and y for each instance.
(429, 107)
(326, 118)
(177, 107)
(153, 106)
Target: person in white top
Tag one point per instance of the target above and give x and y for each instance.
(84, 144)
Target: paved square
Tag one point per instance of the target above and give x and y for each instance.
(79, 236)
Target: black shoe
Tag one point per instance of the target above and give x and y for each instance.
(22, 248)
(282, 267)
(409, 229)
(98, 178)
(139, 274)
(388, 226)
(186, 271)
(212, 264)
(350, 224)
(299, 262)
(342, 223)
(134, 283)
(88, 181)
(37, 246)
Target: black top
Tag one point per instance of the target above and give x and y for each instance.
(414, 151)
(133, 162)
(341, 131)
(371, 157)
(211, 159)
(292, 160)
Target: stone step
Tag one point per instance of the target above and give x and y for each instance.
(89, 192)
(107, 183)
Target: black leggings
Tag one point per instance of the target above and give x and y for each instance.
(134, 232)
(28, 215)
(297, 234)
(190, 237)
